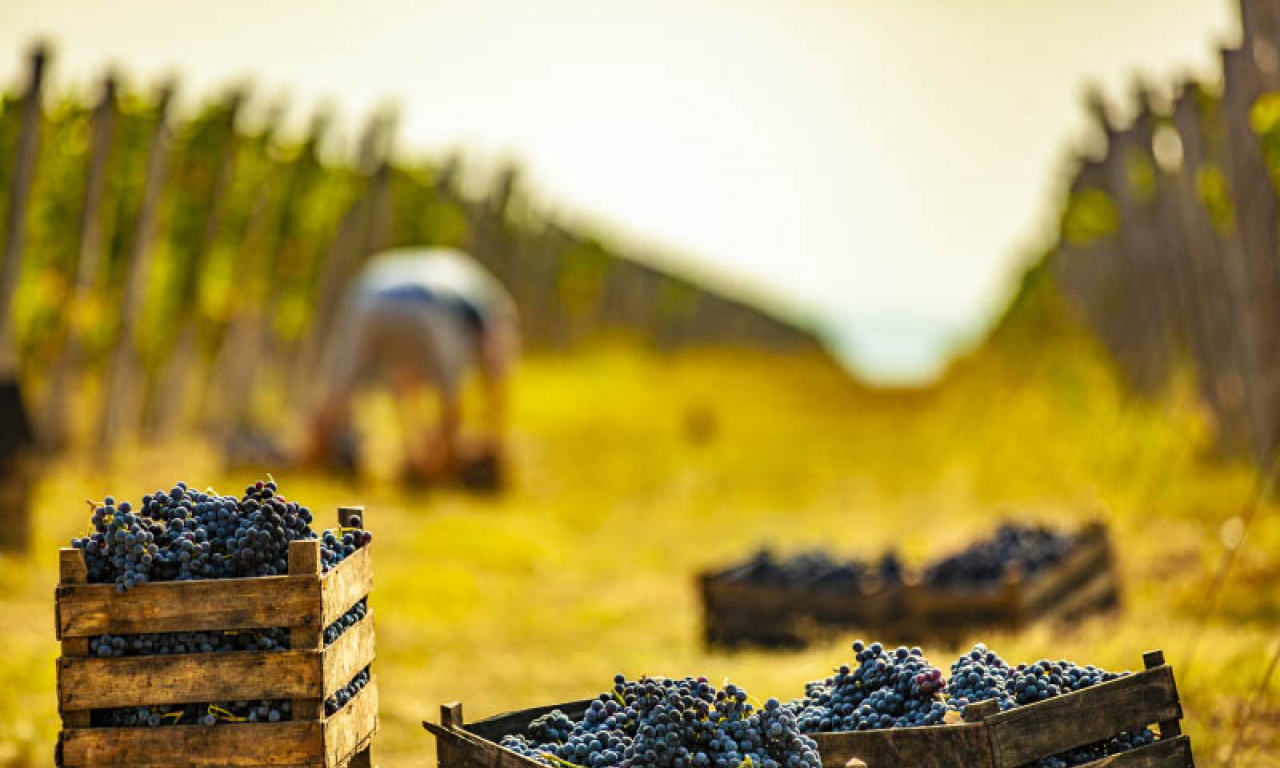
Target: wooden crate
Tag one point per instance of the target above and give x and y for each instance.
(1010, 739)
(1082, 582)
(744, 613)
(1020, 736)
(305, 601)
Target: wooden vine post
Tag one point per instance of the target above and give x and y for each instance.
(67, 367)
(16, 435)
(122, 404)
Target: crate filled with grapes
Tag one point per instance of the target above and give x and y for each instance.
(200, 629)
(891, 708)
(1018, 575)
(882, 708)
(781, 601)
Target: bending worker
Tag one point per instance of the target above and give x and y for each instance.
(420, 318)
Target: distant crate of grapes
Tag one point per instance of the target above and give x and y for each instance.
(1017, 575)
(206, 630)
(1020, 575)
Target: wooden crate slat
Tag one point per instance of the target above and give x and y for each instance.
(1099, 593)
(463, 750)
(1166, 753)
(98, 683)
(1025, 734)
(351, 652)
(494, 728)
(188, 606)
(71, 570)
(345, 584)
(240, 745)
(353, 725)
(949, 746)
(1087, 560)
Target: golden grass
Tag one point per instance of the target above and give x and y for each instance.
(585, 567)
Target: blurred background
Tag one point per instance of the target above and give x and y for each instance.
(828, 274)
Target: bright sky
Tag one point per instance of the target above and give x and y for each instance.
(882, 165)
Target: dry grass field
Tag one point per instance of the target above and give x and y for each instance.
(585, 567)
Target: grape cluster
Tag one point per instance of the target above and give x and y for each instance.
(336, 547)
(1029, 548)
(193, 714)
(185, 534)
(346, 693)
(346, 621)
(815, 570)
(979, 675)
(887, 689)
(666, 723)
(165, 643)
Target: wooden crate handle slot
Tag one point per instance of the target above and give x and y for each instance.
(304, 560)
(451, 715)
(72, 570)
(1168, 728)
(855, 763)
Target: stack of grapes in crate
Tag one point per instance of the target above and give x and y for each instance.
(885, 709)
(1019, 574)
(202, 629)
(776, 601)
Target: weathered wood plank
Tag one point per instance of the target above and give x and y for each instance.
(189, 606)
(943, 746)
(305, 560)
(242, 745)
(1087, 560)
(1166, 753)
(456, 748)
(1098, 594)
(353, 726)
(494, 728)
(1027, 733)
(351, 652)
(94, 683)
(71, 570)
(343, 586)
(1152, 660)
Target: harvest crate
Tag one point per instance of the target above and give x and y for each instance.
(1010, 739)
(1023, 735)
(745, 613)
(1083, 581)
(305, 601)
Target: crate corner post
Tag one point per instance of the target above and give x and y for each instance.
(71, 570)
(304, 560)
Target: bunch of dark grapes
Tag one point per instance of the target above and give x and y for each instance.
(336, 547)
(122, 547)
(346, 621)
(979, 675)
(193, 714)
(346, 693)
(815, 570)
(665, 723)
(1029, 548)
(887, 689)
(166, 643)
(184, 534)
